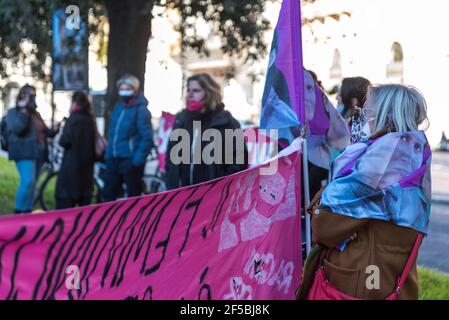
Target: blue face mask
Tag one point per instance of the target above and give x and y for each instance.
(126, 95)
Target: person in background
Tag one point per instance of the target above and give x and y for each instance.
(130, 141)
(27, 145)
(327, 133)
(315, 79)
(204, 105)
(377, 208)
(352, 94)
(75, 178)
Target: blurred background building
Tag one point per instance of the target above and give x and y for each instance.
(400, 41)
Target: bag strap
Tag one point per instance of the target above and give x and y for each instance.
(411, 259)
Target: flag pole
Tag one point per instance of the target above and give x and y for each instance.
(305, 162)
(305, 175)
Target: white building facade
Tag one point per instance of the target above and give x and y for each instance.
(386, 41)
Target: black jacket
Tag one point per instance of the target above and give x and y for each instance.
(22, 137)
(75, 178)
(180, 175)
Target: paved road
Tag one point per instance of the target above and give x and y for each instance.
(440, 176)
(434, 252)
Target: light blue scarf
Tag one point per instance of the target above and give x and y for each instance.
(387, 178)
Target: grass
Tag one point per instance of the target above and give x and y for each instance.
(433, 285)
(9, 180)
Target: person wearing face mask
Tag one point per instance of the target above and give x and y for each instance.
(27, 145)
(130, 141)
(373, 215)
(75, 182)
(204, 106)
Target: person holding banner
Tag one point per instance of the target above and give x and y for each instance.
(204, 113)
(27, 145)
(368, 223)
(75, 178)
(130, 141)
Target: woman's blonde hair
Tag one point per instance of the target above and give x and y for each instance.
(212, 90)
(398, 107)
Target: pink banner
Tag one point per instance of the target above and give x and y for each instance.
(237, 237)
(163, 135)
(261, 148)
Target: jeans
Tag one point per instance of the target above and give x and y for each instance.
(25, 193)
(119, 171)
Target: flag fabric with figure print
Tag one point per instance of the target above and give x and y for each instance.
(283, 98)
(233, 238)
(385, 178)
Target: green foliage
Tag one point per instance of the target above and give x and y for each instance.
(31, 21)
(239, 23)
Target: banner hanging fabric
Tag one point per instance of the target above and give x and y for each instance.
(234, 238)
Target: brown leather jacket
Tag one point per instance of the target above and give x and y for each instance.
(377, 243)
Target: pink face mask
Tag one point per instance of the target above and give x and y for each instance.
(74, 108)
(195, 106)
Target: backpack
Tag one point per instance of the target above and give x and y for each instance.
(4, 134)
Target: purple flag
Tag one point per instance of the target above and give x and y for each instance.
(283, 98)
(320, 122)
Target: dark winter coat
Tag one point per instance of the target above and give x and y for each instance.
(179, 175)
(75, 178)
(131, 132)
(22, 137)
(378, 243)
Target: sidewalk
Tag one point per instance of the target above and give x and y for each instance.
(440, 177)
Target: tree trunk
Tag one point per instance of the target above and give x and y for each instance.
(130, 30)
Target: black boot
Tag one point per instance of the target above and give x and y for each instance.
(18, 212)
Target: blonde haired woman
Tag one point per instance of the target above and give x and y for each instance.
(204, 110)
(369, 221)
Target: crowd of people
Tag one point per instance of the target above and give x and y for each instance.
(368, 170)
